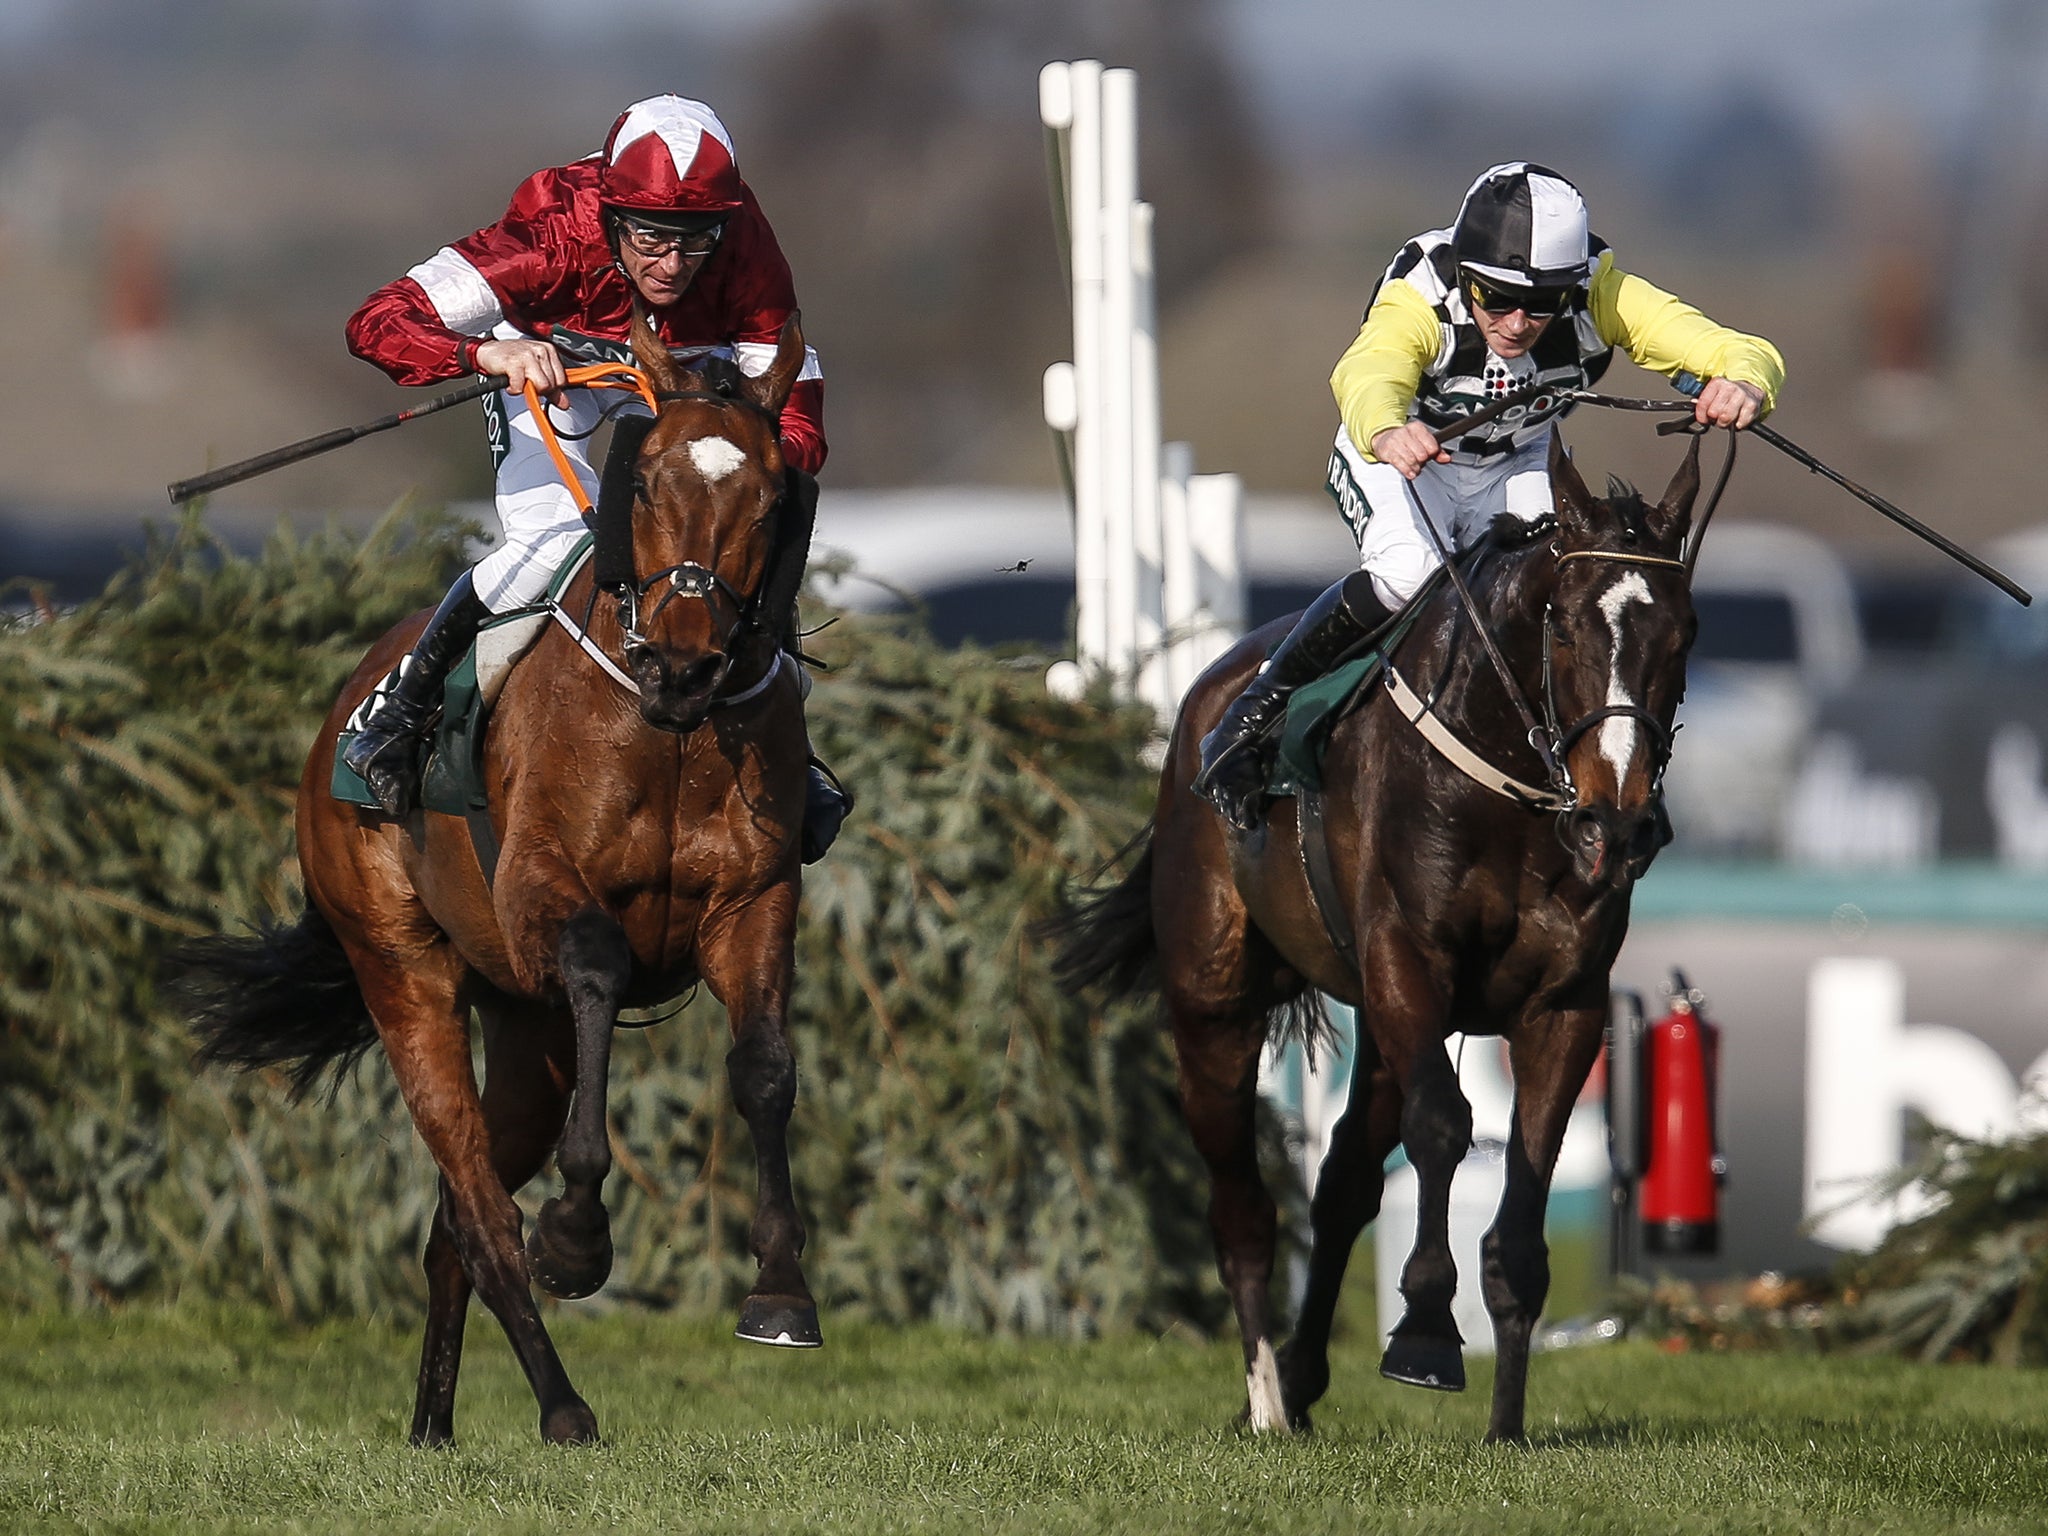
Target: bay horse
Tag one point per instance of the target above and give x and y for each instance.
(1459, 907)
(645, 844)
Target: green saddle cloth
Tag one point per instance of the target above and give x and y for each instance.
(1315, 708)
(1312, 713)
(452, 780)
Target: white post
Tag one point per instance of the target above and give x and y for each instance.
(1133, 522)
(1085, 223)
(1148, 536)
(1119, 283)
(1180, 576)
(1215, 534)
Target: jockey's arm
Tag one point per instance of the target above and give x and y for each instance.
(1375, 380)
(1665, 334)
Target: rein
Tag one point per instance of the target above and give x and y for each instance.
(686, 578)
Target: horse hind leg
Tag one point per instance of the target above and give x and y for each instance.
(1347, 1198)
(569, 1252)
(423, 1021)
(528, 1057)
(1219, 1062)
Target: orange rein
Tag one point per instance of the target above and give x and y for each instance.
(590, 376)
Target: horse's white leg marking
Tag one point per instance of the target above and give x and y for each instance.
(715, 457)
(1618, 736)
(1262, 1386)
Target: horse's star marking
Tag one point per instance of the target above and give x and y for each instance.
(715, 457)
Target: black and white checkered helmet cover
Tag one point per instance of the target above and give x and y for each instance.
(1523, 224)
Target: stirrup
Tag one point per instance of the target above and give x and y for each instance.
(1237, 796)
(827, 804)
(389, 769)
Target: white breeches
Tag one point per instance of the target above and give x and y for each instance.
(540, 518)
(1461, 498)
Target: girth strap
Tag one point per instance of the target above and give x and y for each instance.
(1323, 891)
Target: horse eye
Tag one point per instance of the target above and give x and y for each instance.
(640, 487)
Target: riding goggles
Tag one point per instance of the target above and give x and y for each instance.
(647, 240)
(1538, 303)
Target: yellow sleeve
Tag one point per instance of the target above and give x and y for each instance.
(1374, 381)
(1668, 336)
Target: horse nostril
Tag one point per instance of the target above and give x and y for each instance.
(701, 675)
(1586, 828)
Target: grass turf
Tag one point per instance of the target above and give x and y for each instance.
(190, 1421)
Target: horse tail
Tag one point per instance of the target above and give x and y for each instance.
(283, 996)
(1106, 939)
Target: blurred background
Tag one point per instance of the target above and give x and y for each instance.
(193, 198)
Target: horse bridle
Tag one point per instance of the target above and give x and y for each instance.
(1564, 739)
(688, 578)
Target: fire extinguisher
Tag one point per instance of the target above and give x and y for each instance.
(1663, 1136)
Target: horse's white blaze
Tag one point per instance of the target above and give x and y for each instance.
(715, 457)
(1618, 736)
(1262, 1386)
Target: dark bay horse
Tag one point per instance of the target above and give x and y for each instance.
(646, 843)
(1466, 910)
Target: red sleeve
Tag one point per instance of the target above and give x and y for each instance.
(758, 297)
(397, 329)
(423, 328)
(803, 426)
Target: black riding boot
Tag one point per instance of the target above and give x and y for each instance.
(385, 752)
(827, 802)
(1235, 755)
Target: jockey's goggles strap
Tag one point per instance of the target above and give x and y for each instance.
(592, 376)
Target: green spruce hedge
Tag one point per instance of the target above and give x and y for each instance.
(969, 1144)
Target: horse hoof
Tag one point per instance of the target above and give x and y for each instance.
(1303, 1380)
(1438, 1364)
(779, 1320)
(568, 1264)
(570, 1423)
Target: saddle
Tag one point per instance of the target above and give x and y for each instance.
(1315, 708)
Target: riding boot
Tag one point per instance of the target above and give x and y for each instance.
(385, 752)
(1236, 754)
(827, 802)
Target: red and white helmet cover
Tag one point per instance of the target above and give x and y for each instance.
(669, 154)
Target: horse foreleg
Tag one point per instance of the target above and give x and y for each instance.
(1406, 1008)
(570, 1250)
(1347, 1198)
(1219, 1062)
(527, 1056)
(423, 1023)
(750, 966)
(1551, 1058)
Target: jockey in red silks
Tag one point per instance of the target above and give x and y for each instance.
(659, 220)
(1517, 294)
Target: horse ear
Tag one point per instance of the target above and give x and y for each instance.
(661, 368)
(1575, 503)
(770, 390)
(1673, 514)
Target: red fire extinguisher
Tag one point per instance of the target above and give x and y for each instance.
(1663, 1137)
(1682, 1164)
